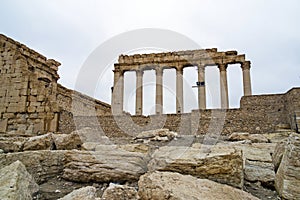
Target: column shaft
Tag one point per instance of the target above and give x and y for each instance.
(246, 78)
(201, 87)
(118, 92)
(159, 91)
(139, 93)
(179, 91)
(223, 86)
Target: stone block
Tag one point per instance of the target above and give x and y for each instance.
(287, 179)
(33, 92)
(14, 93)
(168, 185)
(16, 182)
(31, 109)
(40, 98)
(220, 163)
(3, 125)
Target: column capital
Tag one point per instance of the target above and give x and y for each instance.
(246, 65)
(201, 64)
(158, 71)
(139, 72)
(179, 70)
(222, 66)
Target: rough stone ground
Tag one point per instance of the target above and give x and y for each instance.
(58, 187)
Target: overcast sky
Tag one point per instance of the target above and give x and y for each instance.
(267, 31)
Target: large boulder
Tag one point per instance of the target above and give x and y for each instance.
(42, 165)
(218, 163)
(86, 193)
(287, 180)
(16, 183)
(117, 192)
(41, 142)
(106, 165)
(168, 185)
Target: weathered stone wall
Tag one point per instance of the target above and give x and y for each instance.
(31, 102)
(292, 101)
(80, 104)
(28, 89)
(258, 114)
(30, 98)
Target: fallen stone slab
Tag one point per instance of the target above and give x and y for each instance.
(86, 193)
(169, 185)
(42, 165)
(156, 135)
(16, 182)
(255, 138)
(287, 180)
(41, 142)
(106, 165)
(12, 144)
(218, 163)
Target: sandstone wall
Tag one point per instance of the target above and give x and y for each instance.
(258, 114)
(27, 89)
(31, 101)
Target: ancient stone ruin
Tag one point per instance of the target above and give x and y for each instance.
(177, 60)
(57, 143)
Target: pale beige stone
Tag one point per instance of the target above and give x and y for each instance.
(117, 192)
(168, 185)
(108, 164)
(85, 193)
(219, 163)
(287, 178)
(16, 182)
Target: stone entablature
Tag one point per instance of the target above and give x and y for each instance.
(177, 60)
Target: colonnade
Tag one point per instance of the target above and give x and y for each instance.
(117, 100)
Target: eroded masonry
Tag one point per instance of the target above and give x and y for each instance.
(32, 102)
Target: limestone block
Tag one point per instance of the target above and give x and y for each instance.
(11, 144)
(107, 165)
(218, 163)
(255, 138)
(41, 142)
(67, 141)
(40, 98)
(86, 193)
(287, 178)
(259, 171)
(31, 109)
(168, 185)
(115, 191)
(13, 108)
(3, 125)
(42, 165)
(33, 91)
(14, 93)
(16, 182)
(40, 109)
(38, 127)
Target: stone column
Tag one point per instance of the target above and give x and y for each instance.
(246, 78)
(118, 92)
(223, 86)
(159, 91)
(139, 93)
(179, 90)
(201, 87)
